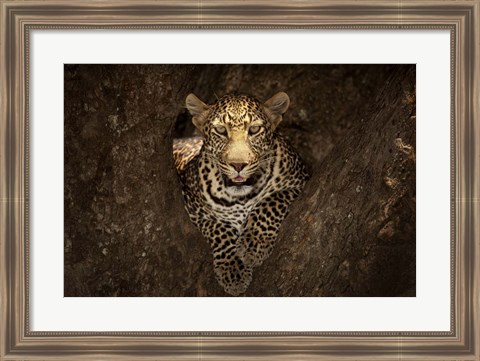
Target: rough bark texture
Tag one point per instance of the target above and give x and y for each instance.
(351, 233)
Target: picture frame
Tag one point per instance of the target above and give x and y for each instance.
(18, 18)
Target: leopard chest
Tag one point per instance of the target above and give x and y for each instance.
(234, 213)
(209, 198)
(234, 216)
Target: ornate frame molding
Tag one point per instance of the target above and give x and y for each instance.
(18, 18)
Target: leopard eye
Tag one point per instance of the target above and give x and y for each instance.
(220, 129)
(254, 129)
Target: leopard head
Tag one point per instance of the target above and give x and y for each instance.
(238, 132)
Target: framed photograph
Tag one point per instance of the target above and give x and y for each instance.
(239, 180)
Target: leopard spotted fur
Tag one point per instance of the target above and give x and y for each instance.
(238, 180)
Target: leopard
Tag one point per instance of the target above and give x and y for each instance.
(238, 176)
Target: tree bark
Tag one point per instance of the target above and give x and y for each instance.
(351, 233)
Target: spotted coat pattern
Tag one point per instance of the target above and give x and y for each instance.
(238, 182)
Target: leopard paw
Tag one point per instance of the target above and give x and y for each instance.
(234, 276)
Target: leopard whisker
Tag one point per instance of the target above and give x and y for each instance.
(267, 161)
(267, 154)
(266, 158)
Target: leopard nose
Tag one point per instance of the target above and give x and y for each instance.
(238, 166)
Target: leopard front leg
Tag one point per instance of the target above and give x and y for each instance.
(230, 271)
(256, 242)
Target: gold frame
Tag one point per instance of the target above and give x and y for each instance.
(18, 17)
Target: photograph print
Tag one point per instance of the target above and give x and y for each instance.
(257, 180)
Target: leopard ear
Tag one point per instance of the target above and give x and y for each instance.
(197, 109)
(276, 106)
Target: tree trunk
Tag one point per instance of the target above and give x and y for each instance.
(351, 233)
